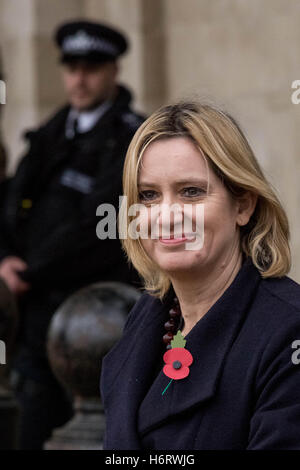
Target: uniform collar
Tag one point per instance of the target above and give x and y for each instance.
(86, 120)
(209, 342)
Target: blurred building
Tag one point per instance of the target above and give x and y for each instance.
(2, 101)
(242, 54)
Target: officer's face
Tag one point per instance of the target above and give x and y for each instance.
(88, 84)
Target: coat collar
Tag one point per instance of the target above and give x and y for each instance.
(209, 342)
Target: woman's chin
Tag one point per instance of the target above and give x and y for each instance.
(178, 262)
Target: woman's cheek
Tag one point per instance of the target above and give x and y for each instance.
(138, 226)
(148, 226)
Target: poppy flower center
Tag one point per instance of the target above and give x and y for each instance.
(177, 365)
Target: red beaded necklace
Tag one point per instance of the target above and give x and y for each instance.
(174, 323)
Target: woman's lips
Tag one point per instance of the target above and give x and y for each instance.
(175, 240)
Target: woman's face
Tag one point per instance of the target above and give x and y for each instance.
(173, 171)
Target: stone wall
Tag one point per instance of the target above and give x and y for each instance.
(242, 54)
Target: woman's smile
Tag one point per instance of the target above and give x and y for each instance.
(175, 239)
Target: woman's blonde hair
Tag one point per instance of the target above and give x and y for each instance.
(266, 236)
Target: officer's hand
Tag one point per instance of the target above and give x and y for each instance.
(9, 268)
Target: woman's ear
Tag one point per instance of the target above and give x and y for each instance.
(246, 207)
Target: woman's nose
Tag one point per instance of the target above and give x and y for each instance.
(169, 218)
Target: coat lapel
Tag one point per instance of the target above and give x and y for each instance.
(138, 399)
(127, 371)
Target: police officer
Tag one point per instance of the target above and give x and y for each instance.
(48, 242)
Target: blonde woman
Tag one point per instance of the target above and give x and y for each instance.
(208, 357)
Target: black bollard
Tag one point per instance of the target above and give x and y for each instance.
(84, 328)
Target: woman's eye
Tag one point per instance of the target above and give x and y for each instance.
(147, 195)
(193, 192)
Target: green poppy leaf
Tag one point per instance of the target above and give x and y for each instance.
(178, 341)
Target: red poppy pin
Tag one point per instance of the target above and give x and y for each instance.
(177, 360)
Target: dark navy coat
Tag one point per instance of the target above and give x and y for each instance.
(243, 389)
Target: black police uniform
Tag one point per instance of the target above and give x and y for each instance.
(48, 218)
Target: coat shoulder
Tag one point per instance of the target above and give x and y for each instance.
(285, 293)
(55, 119)
(122, 348)
(145, 303)
(131, 119)
(275, 311)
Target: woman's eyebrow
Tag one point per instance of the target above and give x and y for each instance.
(200, 181)
(192, 181)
